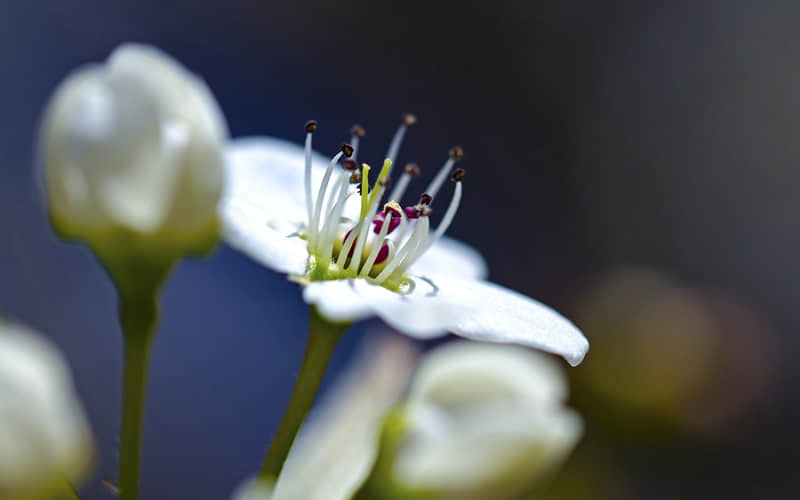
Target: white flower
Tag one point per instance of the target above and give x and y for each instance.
(338, 444)
(134, 147)
(44, 436)
(478, 421)
(300, 214)
(483, 421)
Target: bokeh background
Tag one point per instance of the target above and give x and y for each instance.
(634, 164)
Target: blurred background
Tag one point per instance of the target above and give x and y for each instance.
(633, 164)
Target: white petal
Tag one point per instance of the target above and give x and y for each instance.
(449, 256)
(468, 371)
(44, 435)
(263, 205)
(492, 313)
(516, 449)
(267, 173)
(505, 401)
(338, 444)
(416, 313)
(246, 229)
(134, 143)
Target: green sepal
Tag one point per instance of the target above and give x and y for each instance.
(381, 484)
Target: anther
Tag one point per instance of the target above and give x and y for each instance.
(358, 131)
(409, 119)
(355, 178)
(458, 174)
(456, 153)
(411, 212)
(311, 126)
(347, 150)
(425, 199)
(412, 169)
(349, 164)
(424, 210)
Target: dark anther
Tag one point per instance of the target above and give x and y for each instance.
(425, 199)
(409, 119)
(355, 178)
(349, 164)
(456, 153)
(358, 130)
(311, 126)
(457, 174)
(347, 150)
(412, 169)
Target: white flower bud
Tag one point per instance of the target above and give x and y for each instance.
(132, 154)
(44, 437)
(483, 421)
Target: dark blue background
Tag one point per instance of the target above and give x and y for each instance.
(596, 136)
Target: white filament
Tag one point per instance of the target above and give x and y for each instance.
(354, 142)
(332, 221)
(309, 207)
(362, 236)
(448, 216)
(314, 226)
(417, 238)
(437, 181)
(400, 188)
(397, 140)
(376, 247)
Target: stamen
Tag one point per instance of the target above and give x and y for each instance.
(455, 154)
(376, 248)
(397, 140)
(417, 238)
(347, 149)
(355, 261)
(450, 214)
(347, 247)
(314, 226)
(311, 126)
(332, 222)
(411, 170)
(357, 132)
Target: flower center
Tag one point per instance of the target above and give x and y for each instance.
(385, 239)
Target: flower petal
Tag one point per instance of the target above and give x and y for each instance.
(338, 444)
(449, 256)
(492, 313)
(265, 241)
(267, 174)
(414, 313)
(478, 310)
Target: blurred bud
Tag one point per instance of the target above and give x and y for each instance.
(338, 444)
(132, 156)
(668, 357)
(44, 437)
(480, 421)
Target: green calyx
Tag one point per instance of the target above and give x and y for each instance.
(381, 484)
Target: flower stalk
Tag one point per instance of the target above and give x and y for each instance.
(138, 317)
(323, 335)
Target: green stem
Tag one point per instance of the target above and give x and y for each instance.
(322, 338)
(138, 316)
